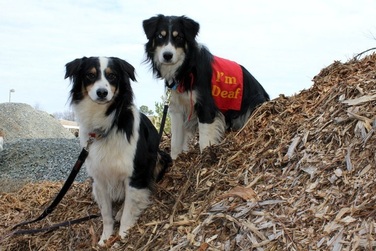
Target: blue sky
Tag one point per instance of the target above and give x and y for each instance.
(284, 44)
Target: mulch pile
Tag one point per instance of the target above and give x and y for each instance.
(301, 175)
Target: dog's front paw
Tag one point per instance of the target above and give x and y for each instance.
(102, 243)
(174, 154)
(122, 233)
(110, 242)
(104, 238)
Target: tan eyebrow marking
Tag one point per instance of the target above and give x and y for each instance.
(175, 33)
(108, 70)
(163, 33)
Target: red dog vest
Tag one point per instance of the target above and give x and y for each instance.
(227, 84)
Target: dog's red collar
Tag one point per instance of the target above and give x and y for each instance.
(97, 134)
(94, 135)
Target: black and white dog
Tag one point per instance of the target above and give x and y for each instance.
(214, 93)
(124, 160)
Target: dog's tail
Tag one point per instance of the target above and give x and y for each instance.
(164, 161)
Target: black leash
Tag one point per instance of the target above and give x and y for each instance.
(164, 116)
(163, 122)
(76, 168)
(46, 229)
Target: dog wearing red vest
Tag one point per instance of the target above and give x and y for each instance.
(208, 92)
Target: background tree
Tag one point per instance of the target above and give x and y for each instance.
(67, 115)
(145, 110)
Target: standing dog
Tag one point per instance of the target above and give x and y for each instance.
(124, 160)
(206, 90)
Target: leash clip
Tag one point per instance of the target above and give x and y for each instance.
(167, 97)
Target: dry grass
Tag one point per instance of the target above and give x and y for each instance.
(299, 176)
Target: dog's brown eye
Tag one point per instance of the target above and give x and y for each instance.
(90, 76)
(111, 76)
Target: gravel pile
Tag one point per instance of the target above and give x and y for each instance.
(21, 121)
(37, 147)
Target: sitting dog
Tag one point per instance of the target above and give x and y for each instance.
(124, 159)
(214, 93)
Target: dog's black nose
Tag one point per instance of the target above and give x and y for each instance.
(167, 56)
(102, 92)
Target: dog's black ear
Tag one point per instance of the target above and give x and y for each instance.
(150, 25)
(72, 68)
(191, 27)
(126, 67)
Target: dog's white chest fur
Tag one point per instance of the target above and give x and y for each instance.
(182, 102)
(111, 156)
(106, 162)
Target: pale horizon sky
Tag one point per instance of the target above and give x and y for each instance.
(284, 44)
